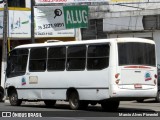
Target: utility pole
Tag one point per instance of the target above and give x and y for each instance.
(4, 47)
(5, 31)
(32, 21)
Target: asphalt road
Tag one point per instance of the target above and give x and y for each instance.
(61, 110)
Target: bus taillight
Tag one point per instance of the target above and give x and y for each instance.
(155, 76)
(116, 76)
(117, 81)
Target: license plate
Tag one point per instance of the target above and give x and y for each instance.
(137, 86)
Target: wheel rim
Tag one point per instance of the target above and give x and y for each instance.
(74, 100)
(14, 98)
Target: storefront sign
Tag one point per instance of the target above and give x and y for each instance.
(76, 16)
(19, 26)
(49, 17)
(49, 21)
(60, 18)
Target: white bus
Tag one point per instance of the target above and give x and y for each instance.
(83, 72)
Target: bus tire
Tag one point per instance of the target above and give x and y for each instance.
(74, 100)
(50, 103)
(110, 105)
(13, 98)
(158, 97)
(75, 103)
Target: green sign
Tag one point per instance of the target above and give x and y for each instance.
(76, 16)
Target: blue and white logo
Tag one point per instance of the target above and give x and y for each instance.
(148, 76)
(23, 81)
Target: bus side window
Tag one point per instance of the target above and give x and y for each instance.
(56, 58)
(76, 58)
(37, 60)
(98, 57)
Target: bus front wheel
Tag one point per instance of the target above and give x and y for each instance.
(13, 98)
(158, 97)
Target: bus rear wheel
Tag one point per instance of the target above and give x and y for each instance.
(75, 103)
(110, 105)
(158, 97)
(50, 103)
(13, 98)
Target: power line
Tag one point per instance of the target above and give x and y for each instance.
(134, 3)
(129, 6)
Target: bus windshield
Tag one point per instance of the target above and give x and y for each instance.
(135, 53)
(17, 62)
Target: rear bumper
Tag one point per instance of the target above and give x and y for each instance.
(134, 93)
